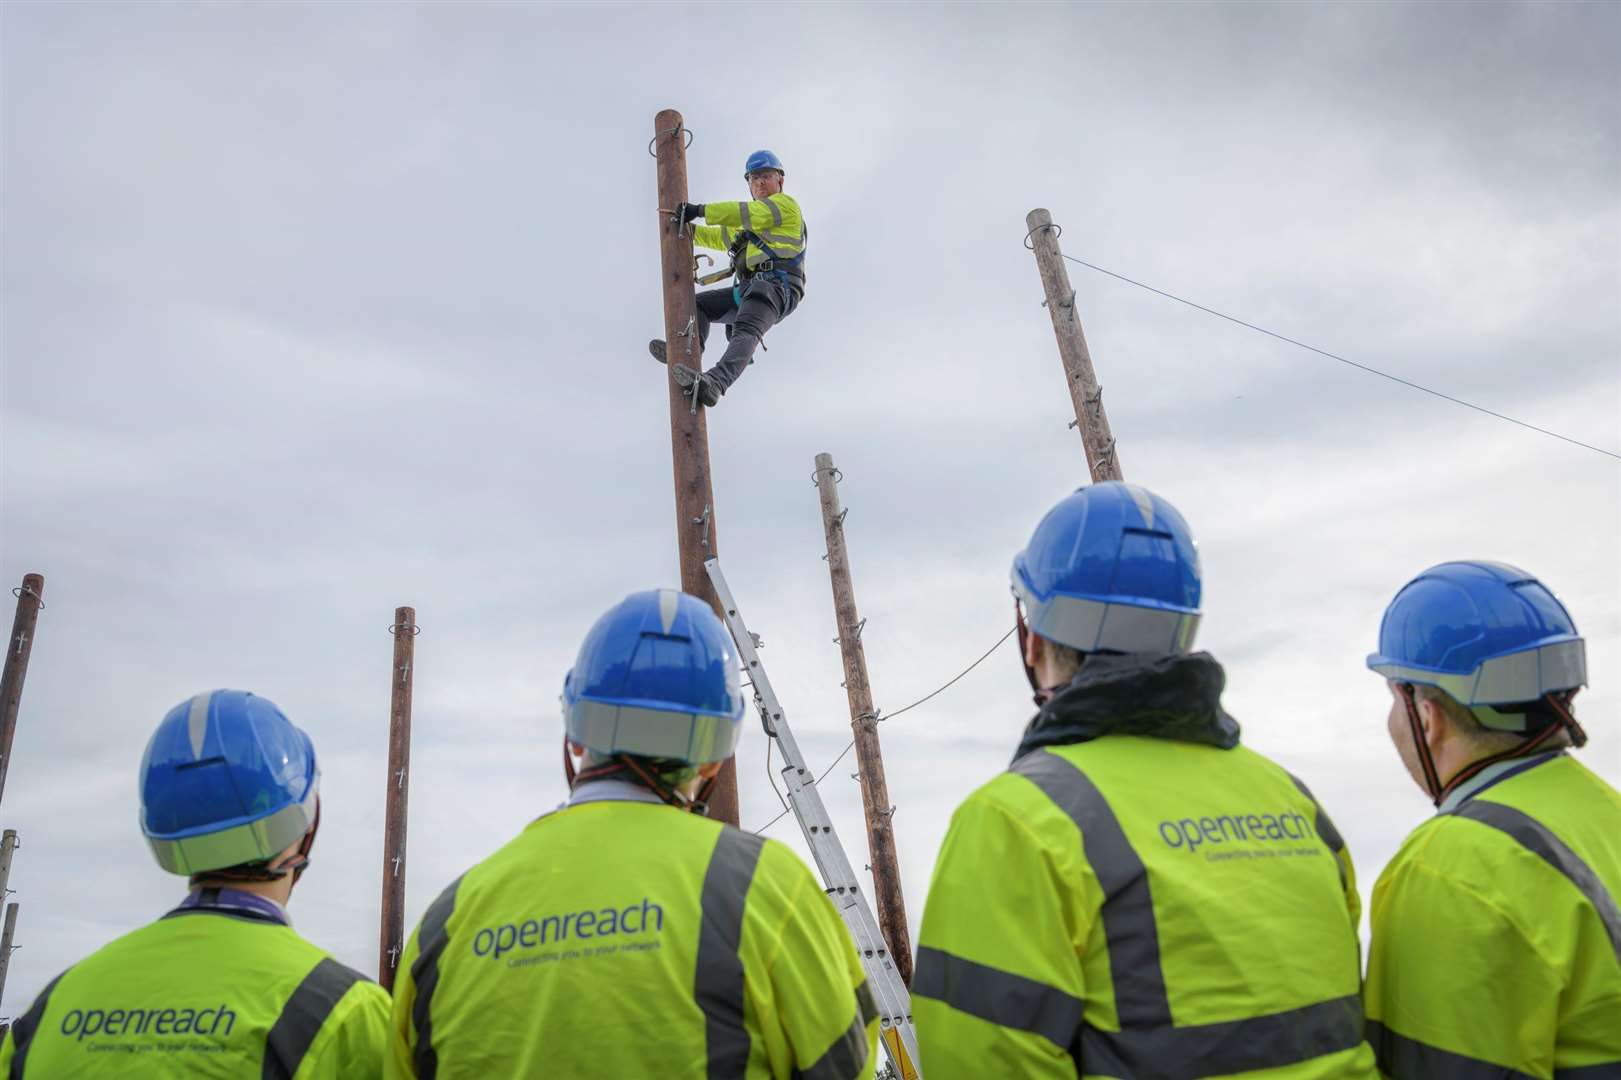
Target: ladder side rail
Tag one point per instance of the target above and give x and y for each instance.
(889, 990)
(843, 887)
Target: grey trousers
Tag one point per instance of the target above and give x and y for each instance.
(765, 302)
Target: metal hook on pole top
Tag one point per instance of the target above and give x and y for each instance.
(19, 591)
(670, 133)
(1058, 230)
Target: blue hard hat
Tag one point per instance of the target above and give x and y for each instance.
(762, 159)
(656, 677)
(1111, 568)
(1486, 633)
(226, 780)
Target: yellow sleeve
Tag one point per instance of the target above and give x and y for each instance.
(825, 1024)
(774, 212)
(712, 237)
(997, 990)
(352, 1043)
(399, 1062)
(776, 218)
(1451, 974)
(7, 1049)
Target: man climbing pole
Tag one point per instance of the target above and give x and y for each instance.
(765, 238)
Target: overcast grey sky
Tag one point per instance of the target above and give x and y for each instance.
(314, 310)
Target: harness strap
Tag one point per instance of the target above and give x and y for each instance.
(791, 266)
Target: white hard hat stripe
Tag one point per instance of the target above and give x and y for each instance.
(1144, 501)
(197, 723)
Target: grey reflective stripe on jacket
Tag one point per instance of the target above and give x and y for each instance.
(432, 938)
(25, 1027)
(1403, 1057)
(1538, 839)
(718, 986)
(845, 1059)
(1000, 997)
(1325, 829)
(1128, 909)
(1149, 1045)
(1409, 1059)
(303, 1017)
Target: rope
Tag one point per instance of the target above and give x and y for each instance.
(1343, 360)
(932, 694)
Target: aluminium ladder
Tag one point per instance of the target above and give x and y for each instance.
(889, 992)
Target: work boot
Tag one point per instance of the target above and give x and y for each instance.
(707, 389)
(656, 347)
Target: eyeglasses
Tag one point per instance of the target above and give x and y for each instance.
(762, 175)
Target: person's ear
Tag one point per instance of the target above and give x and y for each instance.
(1035, 650)
(1436, 723)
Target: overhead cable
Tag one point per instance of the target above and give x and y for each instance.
(933, 693)
(1343, 360)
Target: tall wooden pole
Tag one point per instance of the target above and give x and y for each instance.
(886, 871)
(397, 795)
(30, 598)
(8, 845)
(689, 430)
(1084, 391)
(5, 946)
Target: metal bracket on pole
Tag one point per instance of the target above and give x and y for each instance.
(843, 888)
(702, 521)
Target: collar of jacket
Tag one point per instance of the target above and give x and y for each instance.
(1161, 697)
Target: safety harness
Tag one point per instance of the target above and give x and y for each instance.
(627, 767)
(792, 270)
(1564, 720)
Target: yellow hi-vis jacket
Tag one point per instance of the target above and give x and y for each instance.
(627, 939)
(203, 993)
(1141, 908)
(1496, 946)
(776, 219)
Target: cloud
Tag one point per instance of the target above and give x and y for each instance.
(313, 312)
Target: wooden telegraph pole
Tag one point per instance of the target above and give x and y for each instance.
(30, 598)
(8, 846)
(6, 946)
(689, 430)
(397, 795)
(1084, 391)
(886, 871)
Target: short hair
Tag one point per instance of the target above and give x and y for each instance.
(1065, 659)
(1531, 718)
(669, 770)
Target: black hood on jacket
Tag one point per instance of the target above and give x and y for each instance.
(1161, 697)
